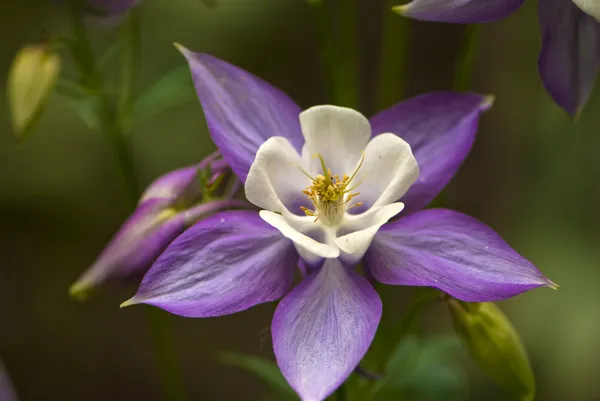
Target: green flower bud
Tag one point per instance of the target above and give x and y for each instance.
(495, 346)
(31, 78)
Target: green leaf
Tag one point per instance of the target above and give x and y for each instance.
(423, 371)
(172, 90)
(32, 77)
(264, 369)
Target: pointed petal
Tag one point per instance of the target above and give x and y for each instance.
(590, 7)
(453, 252)
(134, 248)
(362, 228)
(570, 56)
(322, 329)
(302, 230)
(440, 129)
(460, 11)
(338, 134)
(275, 180)
(388, 171)
(224, 264)
(241, 110)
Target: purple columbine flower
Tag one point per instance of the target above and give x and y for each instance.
(570, 57)
(7, 392)
(167, 207)
(328, 181)
(113, 7)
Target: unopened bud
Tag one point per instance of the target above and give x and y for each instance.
(31, 79)
(494, 345)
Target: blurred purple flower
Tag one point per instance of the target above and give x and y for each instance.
(235, 260)
(570, 57)
(167, 207)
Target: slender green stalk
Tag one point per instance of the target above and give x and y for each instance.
(467, 56)
(114, 117)
(346, 86)
(338, 47)
(166, 355)
(129, 68)
(393, 59)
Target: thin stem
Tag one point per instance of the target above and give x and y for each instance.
(338, 47)
(467, 56)
(166, 355)
(394, 47)
(129, 68)
(111, 115)
(346, 86)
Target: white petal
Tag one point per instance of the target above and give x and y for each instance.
(362, 228)
(338, 134)
(388, 171)
(275, 181)
(310, 250)
(591, 7)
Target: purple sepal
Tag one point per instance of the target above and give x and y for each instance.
(241, 110)
(323, 327)
(440, 128)
(223, 264)
(452, 252)
(459, 11)
(570, 56)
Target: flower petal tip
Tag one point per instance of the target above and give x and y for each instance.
(129, 302)
(80, 291)
(488, 102)
(401, 10)
(552, 284)
(181, 48)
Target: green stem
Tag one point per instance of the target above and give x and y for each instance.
(112, 114)
(394, 47)
(346, 87)
(338, 47)
(166, 355)
(130, 67)
(467, 56)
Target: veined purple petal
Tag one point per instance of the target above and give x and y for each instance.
(242, 111)
(224, 264)
(322, 329)
(453, 252)
(440, 128)
(460, 11)
(137, 244)
(570, 56)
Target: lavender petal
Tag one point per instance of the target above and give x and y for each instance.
(570, 56)
(452, 252)
(459, 11)
(224, 264)
(322, 329)
(242, 111)
(440, 128)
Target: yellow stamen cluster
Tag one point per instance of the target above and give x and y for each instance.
(330, 195)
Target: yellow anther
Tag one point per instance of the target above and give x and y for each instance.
(330, 195)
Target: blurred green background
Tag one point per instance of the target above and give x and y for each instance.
(532, 176)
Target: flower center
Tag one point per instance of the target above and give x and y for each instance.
(330, 195)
